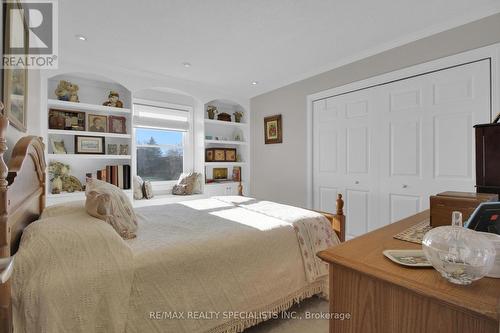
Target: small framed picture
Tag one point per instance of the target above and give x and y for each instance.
(97, 123)
(272, 129)
(117, 125)
(58, 146)
(124, 149)
(89, 144)
(220, 173)
(112, 149)
(66, 120)
(237, 174)
(219, 155)
(209, 155)
(230, 154)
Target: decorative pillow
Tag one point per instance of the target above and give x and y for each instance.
(182, 189)
(138, 184)
(198, 183)
(109, 203)
(185, 184)
(148, 189)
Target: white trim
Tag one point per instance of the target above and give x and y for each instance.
(492, 52)
(163, 105)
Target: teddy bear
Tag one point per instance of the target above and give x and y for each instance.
(67, 91)
(113, 100)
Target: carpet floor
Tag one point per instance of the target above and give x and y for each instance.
(299, 323)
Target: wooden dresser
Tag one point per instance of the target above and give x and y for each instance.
(384, 297)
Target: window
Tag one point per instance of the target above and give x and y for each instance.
(163, 141)
(160, 154)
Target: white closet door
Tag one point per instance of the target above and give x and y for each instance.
(345, 158)
(429, 143)
(387, 148)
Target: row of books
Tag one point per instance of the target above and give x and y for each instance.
(118, 175)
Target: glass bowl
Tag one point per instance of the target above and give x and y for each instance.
(461, 255)
(495, 239)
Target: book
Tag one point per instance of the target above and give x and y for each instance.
(120, 176)
(114, 175)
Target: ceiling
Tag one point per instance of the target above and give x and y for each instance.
(231, 43)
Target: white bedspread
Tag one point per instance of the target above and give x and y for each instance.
(210, 265)
(71, 274)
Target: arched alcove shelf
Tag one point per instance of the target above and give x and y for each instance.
(93, 139)
(224, 132)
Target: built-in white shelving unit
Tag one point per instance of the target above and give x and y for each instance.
(55, 103)
(107, 135)
(222, 134)
(93, 91)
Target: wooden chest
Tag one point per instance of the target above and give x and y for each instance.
(443, 204)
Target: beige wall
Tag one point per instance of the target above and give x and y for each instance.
(279, 170)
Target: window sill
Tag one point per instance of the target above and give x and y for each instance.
(163, 199)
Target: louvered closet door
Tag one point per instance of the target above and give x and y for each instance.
(387, 148)
(345, 158)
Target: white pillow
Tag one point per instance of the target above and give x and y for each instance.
(138, 184)
(109, 203)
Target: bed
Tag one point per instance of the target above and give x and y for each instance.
(212, 265)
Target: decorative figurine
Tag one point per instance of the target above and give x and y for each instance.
(237, 116)
(212, 111)
(113, 100)
(67, 91)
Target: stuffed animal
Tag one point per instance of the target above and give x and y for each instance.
(67, 91)
(113, 100)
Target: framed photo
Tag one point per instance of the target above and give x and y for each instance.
(66, 120)
(220, 173)
(272, 130)
(219, 155)
(117, 125)
(15, 80)
(57, 146)
(237, 174)
(112, 149)
(98, 123)
(209, 155)
(123, 149)
(89, 144)
(230, 154)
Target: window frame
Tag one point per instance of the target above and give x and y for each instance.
(187, 141)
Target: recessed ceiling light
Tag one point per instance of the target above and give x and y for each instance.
(254, 83)
(81, 37)
(186, 64)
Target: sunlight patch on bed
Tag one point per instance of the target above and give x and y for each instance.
(251, 219)
(206, 204)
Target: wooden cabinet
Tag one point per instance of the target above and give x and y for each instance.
(488, 158)
(381, 296)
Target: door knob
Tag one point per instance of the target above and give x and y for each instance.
(356, 182)
(405, 186)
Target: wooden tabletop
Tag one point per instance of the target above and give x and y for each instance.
(364, 254)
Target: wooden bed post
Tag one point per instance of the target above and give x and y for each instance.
(5, 296)
(339, 222)
(338, 219)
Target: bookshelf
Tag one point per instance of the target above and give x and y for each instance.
(222, 134)
(93, 91)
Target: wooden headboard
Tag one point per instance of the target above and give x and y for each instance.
(22, 200)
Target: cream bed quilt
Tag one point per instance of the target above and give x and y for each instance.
(210, 265)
